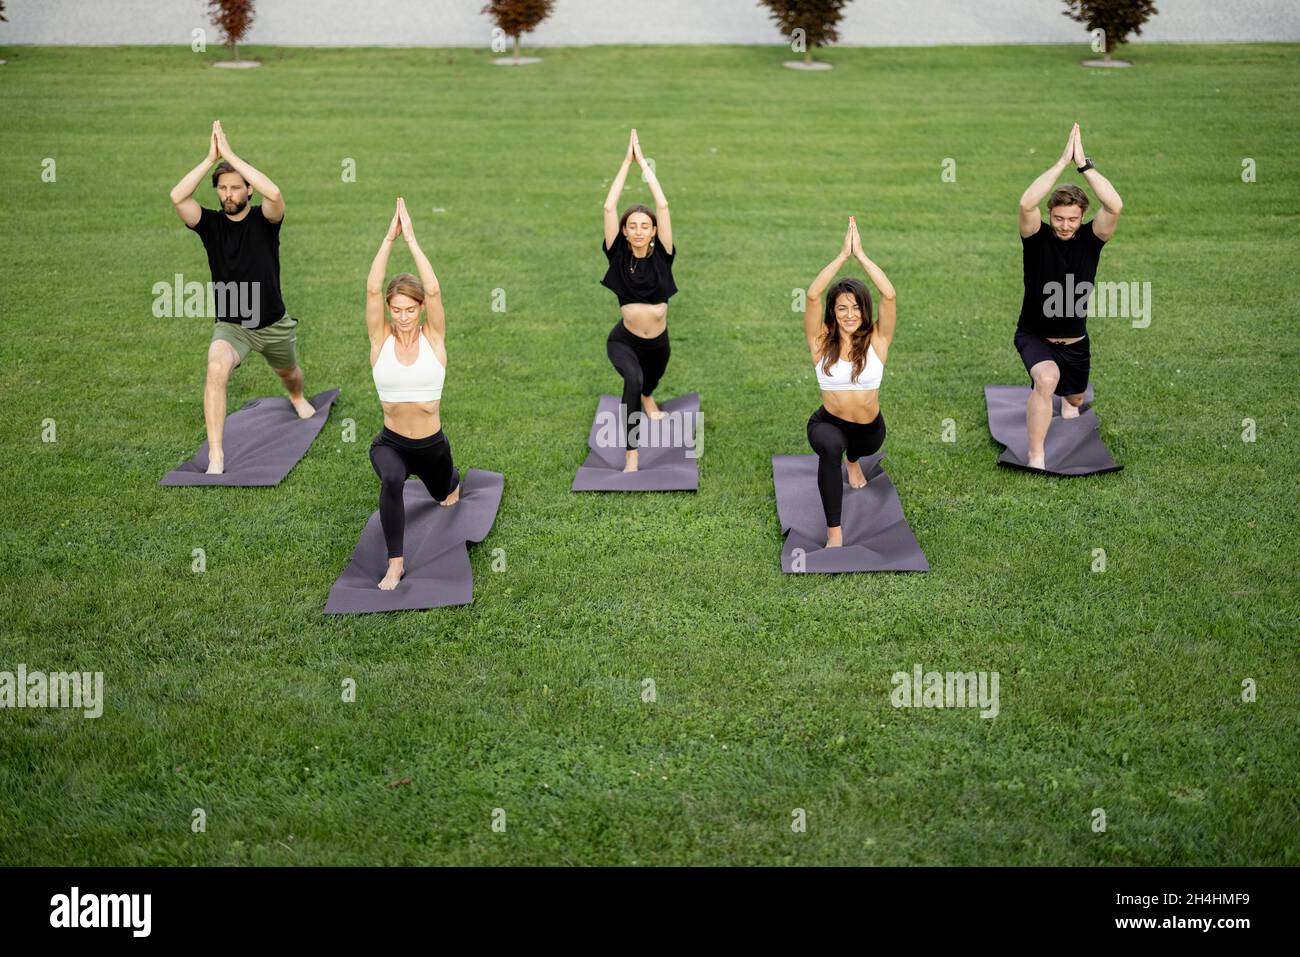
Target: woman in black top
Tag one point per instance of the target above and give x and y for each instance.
(640, 250)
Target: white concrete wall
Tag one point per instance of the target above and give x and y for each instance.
(583, 22)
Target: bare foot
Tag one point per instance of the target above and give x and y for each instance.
(834, 537)
(651, 409)
(453, 498)
(395, 572)
(216, 463)
(304, 408)
(1036, 461)
(630, 466)
(1069, 410)
(856, 478)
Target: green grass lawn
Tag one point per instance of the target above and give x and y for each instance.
(1119, 690)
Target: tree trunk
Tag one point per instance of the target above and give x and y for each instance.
(807, 55)
(234, 50)
(516, 48)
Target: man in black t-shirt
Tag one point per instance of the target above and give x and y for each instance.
(1060, 270)
(243, 247)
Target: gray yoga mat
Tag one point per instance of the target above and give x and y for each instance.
(435, 543)
(1072, 447)
(661, 467)
(876, 535)
(263, 440)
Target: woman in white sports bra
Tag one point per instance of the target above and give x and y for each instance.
(849, 348)
(409, 363)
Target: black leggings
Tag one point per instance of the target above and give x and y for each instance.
(394, 458)
(641, 363)
(831, 437)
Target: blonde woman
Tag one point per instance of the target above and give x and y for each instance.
(408, 361)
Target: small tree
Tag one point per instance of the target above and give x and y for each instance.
(818, 19)
(1115, 18)
(517, 17)
(232, 18)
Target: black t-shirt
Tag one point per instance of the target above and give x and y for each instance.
(243, 252)
(1059, 310)
(639, 280)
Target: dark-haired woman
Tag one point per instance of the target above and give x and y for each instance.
(849, 347)
(639, 247)
(409, 364)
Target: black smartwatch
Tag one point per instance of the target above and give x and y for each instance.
(1087, 165)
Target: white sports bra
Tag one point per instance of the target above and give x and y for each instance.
(421, 381)
(839, 381)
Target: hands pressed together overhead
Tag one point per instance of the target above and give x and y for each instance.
(852, 241)
(218, 145)
(405, 217)
(1080, 157)
(634, 149)
(401, 224)
(1073, 152)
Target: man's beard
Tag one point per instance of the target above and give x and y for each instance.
(236, 211)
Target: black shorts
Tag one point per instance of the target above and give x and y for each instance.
(1074, 360)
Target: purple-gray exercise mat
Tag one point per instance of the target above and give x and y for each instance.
(1072, 447)
(876, 535)
(263, 440)
(437, 570)
(668, 450)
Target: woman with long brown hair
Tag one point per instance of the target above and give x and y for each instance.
(849, 346)
(640, 250)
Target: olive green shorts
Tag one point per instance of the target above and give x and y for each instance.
(278, 342)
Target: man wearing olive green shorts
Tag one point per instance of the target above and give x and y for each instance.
(278, 342)
(243, 247)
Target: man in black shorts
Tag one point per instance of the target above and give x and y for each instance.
(1060, 271)
(243, 246)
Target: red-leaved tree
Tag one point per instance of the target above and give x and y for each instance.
(818, 19)
(517, 17)
(1115, 18)
(232, 18)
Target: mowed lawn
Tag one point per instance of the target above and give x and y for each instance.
(1119, 690)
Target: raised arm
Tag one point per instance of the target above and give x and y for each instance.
(812, 312)
(1107, 218)
(611, 199)
(435, 318)
(663, 223)
(1031, 219)
(887, 314)
(375, 283)
(182, 195)
(272, 201)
